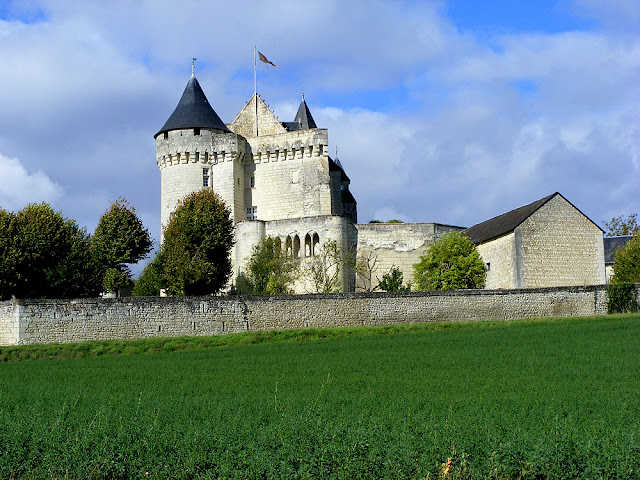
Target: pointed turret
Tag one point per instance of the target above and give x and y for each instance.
(193, 111)
(303, 117)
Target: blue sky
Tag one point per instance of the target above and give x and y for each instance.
(445, 111)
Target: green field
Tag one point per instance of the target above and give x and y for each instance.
(529, 399)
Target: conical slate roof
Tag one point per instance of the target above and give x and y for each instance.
(193, 111)
(304, 118)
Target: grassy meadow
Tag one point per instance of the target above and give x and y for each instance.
(553, 398)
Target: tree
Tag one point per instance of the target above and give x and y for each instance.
(9, 256)
(323, 270)
(44, 255)
(197, 244)
(626, 262)
(392, 281)
(150, 282)
(365, 267)
(451, 263)
(269, 271)
(120, 239)
(623, 226)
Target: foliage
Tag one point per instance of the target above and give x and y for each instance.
(149, 283)
(452, 262)
(120, 238)
(623, 226)
(626, 262)
(622, 298)
(44, 255)
(197, 245)
(526, 399)
(269, 271)
(114, 279)
(392, 281)
(323, 271)
(9, 255)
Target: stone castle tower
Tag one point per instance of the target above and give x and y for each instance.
(276, 177)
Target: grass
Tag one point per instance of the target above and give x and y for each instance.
(528, 399)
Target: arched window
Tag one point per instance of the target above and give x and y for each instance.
(288, 246)
(278, 243)
(296, 247)
(308, 249)
(315, 245)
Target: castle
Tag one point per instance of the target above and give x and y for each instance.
(278, 180)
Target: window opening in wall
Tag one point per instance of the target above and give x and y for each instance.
(252, 213)
(238, 180)
(205, 177)
(206, 156)
(315, 245)
(296, 246)
(288, 246)
(252, 182)
(487, 266)
(308, 248)
(197, 157)
(166, 135)
(196, 131)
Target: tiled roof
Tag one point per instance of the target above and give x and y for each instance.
(193, 111)
(304, 118)
(505, 223)
(612, 244)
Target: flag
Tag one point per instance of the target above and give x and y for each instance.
(265, 60)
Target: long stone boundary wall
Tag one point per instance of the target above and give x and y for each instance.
(61, 321)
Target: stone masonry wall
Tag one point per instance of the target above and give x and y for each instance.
(500, 262)
(60, 321)
(558, 245)
(395, 244)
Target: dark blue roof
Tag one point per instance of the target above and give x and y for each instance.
(193, 111)
(611, 246)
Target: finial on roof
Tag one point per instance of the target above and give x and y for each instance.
(303, 94)
(193, 66)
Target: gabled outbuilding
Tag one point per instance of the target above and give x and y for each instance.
(547, 243)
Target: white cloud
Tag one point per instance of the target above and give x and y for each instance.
(18, 187)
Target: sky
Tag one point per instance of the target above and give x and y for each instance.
(440, 111)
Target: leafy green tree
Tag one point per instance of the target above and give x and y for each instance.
(150, 282)
(626, 262)
(197, 245)
(392, 281)
(44, 255)
(9, 255)
(120, 239)
(269, 271)
(451, 263)
(623, 226)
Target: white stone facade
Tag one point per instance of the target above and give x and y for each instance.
(279, 181)
(557, 245)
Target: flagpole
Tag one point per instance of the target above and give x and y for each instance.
(255, 87)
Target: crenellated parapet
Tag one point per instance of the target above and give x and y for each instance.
(198, 146)
(289, 146)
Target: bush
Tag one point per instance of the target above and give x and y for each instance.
(622, 298)
(452, 262)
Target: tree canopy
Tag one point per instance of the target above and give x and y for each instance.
(197, 244)
(451, 263)
(120, 238)
(45, 255)
(623, 226)
(626, 262)
(269, 270)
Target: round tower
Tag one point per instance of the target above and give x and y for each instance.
(193, 139)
